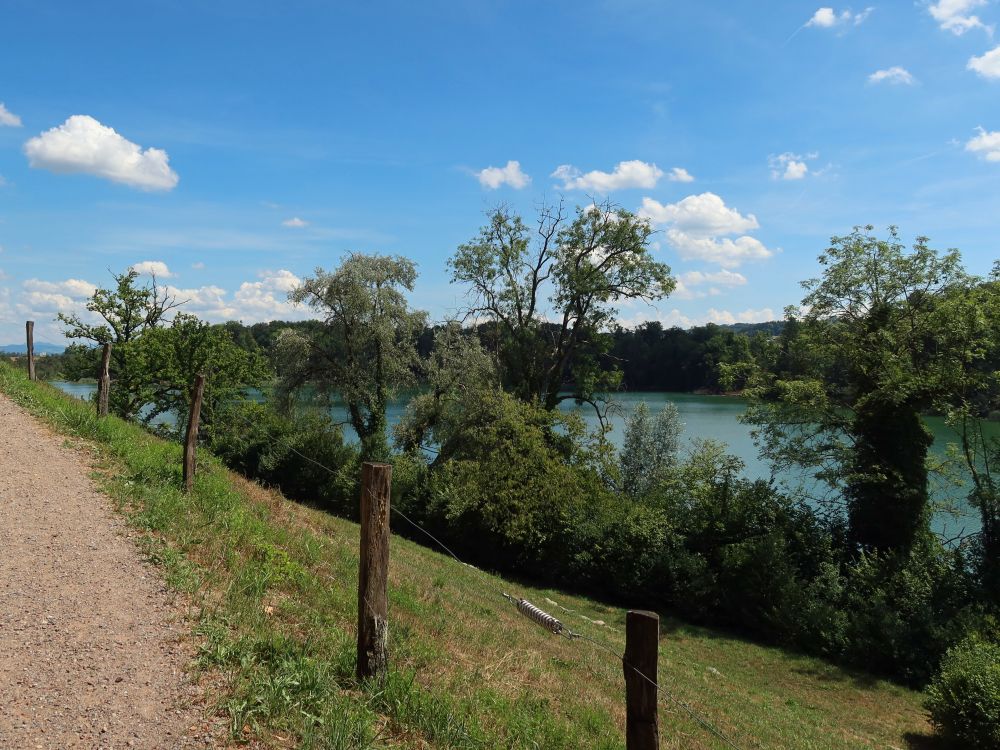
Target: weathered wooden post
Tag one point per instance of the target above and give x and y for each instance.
(373, 573)
(642, 640)
(191, 440)
(104, 381)
(29, 329)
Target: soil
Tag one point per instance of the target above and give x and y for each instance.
(93, 649)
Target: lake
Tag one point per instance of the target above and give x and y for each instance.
(708, 417)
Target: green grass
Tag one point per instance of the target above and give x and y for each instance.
(271, 588)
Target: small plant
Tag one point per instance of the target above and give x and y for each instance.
(964, 698)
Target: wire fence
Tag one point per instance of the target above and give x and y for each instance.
(529, 610)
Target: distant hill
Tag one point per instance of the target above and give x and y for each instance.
(40, 348)
(773, 327)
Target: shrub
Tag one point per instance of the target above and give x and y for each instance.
(964, 698)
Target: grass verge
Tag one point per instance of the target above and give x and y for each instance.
(272, 590)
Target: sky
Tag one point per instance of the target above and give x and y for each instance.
(233, 147)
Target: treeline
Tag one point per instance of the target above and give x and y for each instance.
(486, 460)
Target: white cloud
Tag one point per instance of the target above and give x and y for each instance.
(75, 288)
(827, 18)
(988, 65)
(198, 265)
(627, 174)
(494, 177)
(675, 317)
(789, 166)
(697, 227)
(8, 118)
(728, 253)
(252, 302)
(82, 145)
(954, 16)
(679, 174)
(895, 75)
(688, 282)
(153, 268)
(986, 144)
(295, 222)
(703, 215)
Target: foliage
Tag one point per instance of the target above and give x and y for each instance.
(457, 370)
(173, 355)
(510, 475)
(128, 311)
(964, 698)
(882, 343)
(649, 449)
(295, 452)
(365, 351)
(573, 272)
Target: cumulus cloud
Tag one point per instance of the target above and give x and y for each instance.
(82, 145)
(295, 222)
(252, 302)
(896, 75)
(954, 15)
(8, 118)
(703, 215)
(494, 177)
(47, 297)
(155, 268)
(675, 317)
(698, 225)
(679, 174)
(627, 174)
(688, 283)
(986, 144)
(789, 166)
(828, 18)
(987, 65)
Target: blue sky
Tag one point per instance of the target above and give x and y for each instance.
(235, 146)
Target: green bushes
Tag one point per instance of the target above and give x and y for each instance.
(964, 698)
(295, 454)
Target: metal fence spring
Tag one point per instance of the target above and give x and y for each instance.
(544, 619)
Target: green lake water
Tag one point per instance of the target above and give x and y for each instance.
(715, 418)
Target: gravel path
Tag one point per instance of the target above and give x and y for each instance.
(91, 650)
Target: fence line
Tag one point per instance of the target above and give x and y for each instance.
(562, 630)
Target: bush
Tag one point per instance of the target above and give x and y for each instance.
(964, 698)
(262, 444)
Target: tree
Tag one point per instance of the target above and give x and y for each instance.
(649, 449)
(550, 298)
(882, 345)
(174, 354)
(455, 373)
(128, 311)
(365, 350)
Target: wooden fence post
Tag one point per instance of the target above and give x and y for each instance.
(104, 382)
(29, 329)
(373, 572)
(191, 441)
(642, 640)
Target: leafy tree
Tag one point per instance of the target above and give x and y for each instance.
(649, 449)
(174, 354)
(128, 311)
(551, 297)
(456, 371)
(882, 344)
(365, 350)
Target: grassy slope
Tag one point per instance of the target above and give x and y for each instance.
(272, 592)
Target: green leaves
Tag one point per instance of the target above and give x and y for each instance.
(366, 350)
(551, 297)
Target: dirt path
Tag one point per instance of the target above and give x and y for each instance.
(90, 649)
